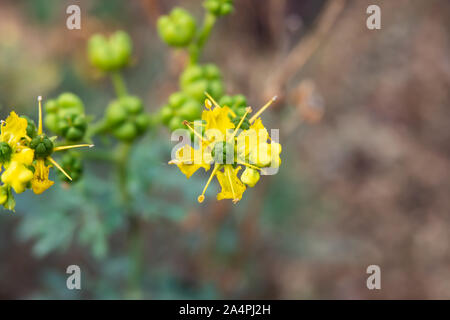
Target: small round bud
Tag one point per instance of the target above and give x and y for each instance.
(250, 177)
(42, 145)
(72, 164)
(178, 28)
(126, 131)
(219, 7)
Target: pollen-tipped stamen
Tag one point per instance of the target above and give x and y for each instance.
(263, 108)
(72, 147)
(213, 173)
(59, 167)
(40, 115)
(212, 100)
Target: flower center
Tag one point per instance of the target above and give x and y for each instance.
(5, 152)
(42, 145)
(223, 153)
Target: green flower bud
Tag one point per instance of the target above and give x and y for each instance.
(166, 114)
(245, 124)
(115, 113)
(126, 119)
(110, 54)
(42, 145)
(142, 122)
(219, 7)
(67, 105)
(250, 177)
(131, 104)
(234, 102)
(196, 80)
(176, 123)
(5, 152)
(73, 127)
(126, 131)
(72, 164)
(178, 28)
(180, 107)
(31, 127)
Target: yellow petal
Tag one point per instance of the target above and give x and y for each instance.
(40, 181)
(14, 129)
(17, 175)
(24, 156)
(218, 119)
(189, 160)
(232, 187)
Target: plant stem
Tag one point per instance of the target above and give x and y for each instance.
(196, 47)
(119, 85)
(134, 233)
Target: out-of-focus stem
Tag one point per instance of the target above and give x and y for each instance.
(196, 47)
(118, 83)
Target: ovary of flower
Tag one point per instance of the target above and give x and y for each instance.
(16, 173)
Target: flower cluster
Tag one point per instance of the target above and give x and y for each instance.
(25, 157)
(229, 142)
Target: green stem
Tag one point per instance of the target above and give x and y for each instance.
(119, 84)
(135, 237)
(196, 47)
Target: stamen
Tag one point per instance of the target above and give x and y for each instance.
(248, 165)
(263, 109)
(186, 123)
(59, 167)
(247, 111)
(40, 114)
(72, 147)
(208, 104)
(213, 173)
(212, 99)
(227, 173)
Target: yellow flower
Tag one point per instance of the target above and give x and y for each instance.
(220, 147)
(16, 174)
(40, 181)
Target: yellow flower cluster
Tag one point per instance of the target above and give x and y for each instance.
(23, 159)
(227, 146)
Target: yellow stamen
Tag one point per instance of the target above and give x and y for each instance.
(247, 111)
(213, 173)
(227, 173)
(59, 167)
(262, 109)
(40, 115)
(248, 165)
(212, 99)
(208, 104)
(186, 123)
(72, 147)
